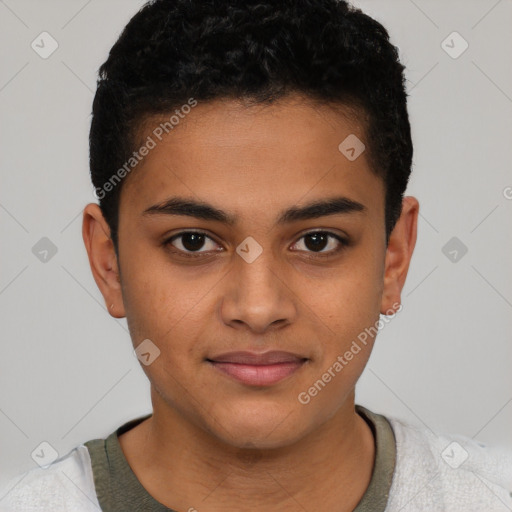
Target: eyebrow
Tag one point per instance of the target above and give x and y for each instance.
(201, 210)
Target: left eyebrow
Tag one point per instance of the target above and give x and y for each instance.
(322, 208)
(201, 210)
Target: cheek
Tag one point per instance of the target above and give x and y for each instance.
(347, 314)
(346, 338)
(146, 297)
(166, 306)
(349, 302)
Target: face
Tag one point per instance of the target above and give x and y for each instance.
(252, 254)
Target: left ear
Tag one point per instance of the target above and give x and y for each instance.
(398, 255)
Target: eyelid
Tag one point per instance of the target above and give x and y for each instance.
(168, 239)
(328, 231)
(342, 239)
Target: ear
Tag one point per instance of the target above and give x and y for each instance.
(398, 255)
(103, 259)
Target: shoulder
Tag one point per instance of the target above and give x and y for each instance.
(66, 484)
(450, 473)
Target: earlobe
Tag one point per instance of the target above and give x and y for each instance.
(102, 258)
(398, 255)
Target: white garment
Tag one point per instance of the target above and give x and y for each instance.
(67, 485)
(432, 474)
(425, 481)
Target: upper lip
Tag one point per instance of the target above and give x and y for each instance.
(253, 358)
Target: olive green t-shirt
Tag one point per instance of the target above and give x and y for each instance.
(118, 489)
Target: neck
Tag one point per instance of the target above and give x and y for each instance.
(184, 467)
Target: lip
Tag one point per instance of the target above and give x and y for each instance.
(258, 369)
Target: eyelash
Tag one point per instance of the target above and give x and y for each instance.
(343, 244)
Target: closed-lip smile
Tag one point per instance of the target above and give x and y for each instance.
(258, 369)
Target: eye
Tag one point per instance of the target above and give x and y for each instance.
(197, 243)
(190, 242)
(321, 242)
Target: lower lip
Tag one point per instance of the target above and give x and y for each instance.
(258, 375)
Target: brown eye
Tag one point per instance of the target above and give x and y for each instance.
(191, 242)
(318, 241)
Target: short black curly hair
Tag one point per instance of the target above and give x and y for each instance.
(259, 51)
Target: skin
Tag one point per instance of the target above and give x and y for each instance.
(213, 443)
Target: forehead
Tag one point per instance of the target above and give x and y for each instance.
(253, 157)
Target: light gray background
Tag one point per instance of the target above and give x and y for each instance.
(67, 373)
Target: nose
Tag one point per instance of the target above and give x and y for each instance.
(258, 296)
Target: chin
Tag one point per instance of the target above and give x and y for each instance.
(257, 427)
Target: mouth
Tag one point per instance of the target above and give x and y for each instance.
(255, 369)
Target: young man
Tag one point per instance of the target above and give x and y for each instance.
(251, 159)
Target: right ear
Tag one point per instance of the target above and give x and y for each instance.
(103, 258)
